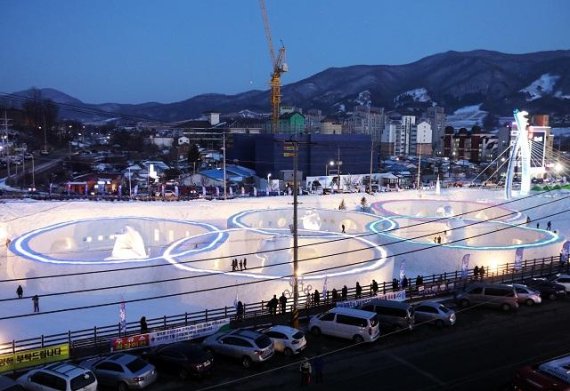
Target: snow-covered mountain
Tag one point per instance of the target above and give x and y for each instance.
(498, 82)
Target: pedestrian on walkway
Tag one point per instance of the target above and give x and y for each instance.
(240, 265)
(20, 291)
(482, 272)
(245, 263)
(405, 282)
(318, 365)
(239, 310)
(395, 285)
(317, 297)
(144, 326)
(283, 302)
(334, 295)
(36, 301)
(476, 272)
(549, 226)
(537, 225)
(344, 293)
(305, 369)
(272, 305)
(343, 228)
(358, 290)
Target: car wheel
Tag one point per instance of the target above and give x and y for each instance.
(439, 324)
(358, 338)
(183, 374)
(288, 352)
(529, 302)
(122, 386)
(316, 331)
(246, 362)
(505, 307)
(551, 296)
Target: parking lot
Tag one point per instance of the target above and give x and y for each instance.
(480, 352)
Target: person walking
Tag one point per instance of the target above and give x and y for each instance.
(318, 365)
(358, 290)
(344, 293)
(549, 226)
(476, 272)
(244, 263)
(36, 301)
(240, 265)
(283, 302)
(482, 272)
(144, 326)
(305, 369)
(317, 297)
(334, 295)
(343, 229)
(537, 225)
(374, 287)
(395, 285)
(272, 305)
(239, 310)
(20, 291)
(405, 282)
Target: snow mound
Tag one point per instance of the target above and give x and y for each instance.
(544, 85)
(417, 95)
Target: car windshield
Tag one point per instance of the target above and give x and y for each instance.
(136, 365)
(298, 335)
(82, 380)
(263, 341)
(443, 308)
(374, 321)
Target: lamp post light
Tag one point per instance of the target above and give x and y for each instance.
(268, 187)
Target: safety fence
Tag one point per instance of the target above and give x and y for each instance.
(99, 338)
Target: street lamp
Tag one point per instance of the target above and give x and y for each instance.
(267, 189)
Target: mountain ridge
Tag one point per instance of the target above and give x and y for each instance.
(453, 79)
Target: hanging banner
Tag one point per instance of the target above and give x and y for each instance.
(122, 317)
(33, 357)
(565, 252)
(187, 333)
(465, 265)
(395, 296)
(519, 258)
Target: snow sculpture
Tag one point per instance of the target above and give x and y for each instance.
(129, 245)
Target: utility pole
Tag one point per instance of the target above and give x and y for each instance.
(224, 164)
(295, 315)
(371, 149)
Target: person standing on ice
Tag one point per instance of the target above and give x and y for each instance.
(20, 291)
(36, 301)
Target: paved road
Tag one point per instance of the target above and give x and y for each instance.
(479, 353)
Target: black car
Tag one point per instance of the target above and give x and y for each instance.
(548, 289)
(181, 358)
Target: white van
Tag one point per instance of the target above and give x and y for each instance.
(349, 323)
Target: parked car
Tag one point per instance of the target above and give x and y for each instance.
(392, 314)
(526, 295)
(349, 323)
(246, 345)
(286, 340)
(434, 312)
(122, 371)
(550, 375)
(8, 384)
(59, 377)
(490, 295)
(564, 280)
(548, 289)
(182, 358)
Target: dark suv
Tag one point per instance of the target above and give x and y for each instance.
(548, 289)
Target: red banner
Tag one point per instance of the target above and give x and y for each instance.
(126, 343)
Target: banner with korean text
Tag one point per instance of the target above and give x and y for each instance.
(32, 357)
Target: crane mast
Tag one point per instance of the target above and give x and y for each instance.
(279, 67)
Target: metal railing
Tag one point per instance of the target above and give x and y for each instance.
(98, 338)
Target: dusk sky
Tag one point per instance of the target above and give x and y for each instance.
(135, 51)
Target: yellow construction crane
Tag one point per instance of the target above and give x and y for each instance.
(279, 67)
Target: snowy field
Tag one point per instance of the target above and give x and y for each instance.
(191, 245)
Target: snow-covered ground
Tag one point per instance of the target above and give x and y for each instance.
(197, 239)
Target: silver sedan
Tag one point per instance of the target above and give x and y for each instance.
(434, 312)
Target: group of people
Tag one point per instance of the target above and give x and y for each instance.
(306, 369)
(35, 298)
(242, 264)
(479, 272)
(275, 302)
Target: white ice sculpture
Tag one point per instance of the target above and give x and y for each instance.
(129, 245)
(311, 220)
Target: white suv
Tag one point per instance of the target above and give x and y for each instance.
(59, 377)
